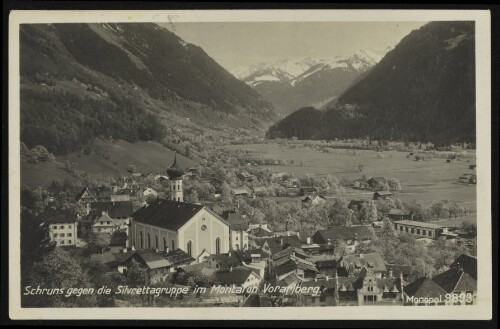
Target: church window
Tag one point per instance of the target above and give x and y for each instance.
(149, 241)
(141, 240)
(190, 248)
(217, 245)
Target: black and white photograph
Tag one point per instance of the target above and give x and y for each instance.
(194, 164)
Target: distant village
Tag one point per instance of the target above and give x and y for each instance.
(211, 243)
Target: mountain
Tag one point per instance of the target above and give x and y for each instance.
(423, 90)
(125, 81)
(291, 84)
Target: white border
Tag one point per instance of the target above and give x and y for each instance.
(483, 119)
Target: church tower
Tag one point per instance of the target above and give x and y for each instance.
(175, 174)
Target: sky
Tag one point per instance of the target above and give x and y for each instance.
(241, 44)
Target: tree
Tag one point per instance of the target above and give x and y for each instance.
(440, 209)
(368, 212)
(470, 228)
(394, 184)
(58, 270)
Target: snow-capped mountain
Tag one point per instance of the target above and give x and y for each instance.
(293, 83)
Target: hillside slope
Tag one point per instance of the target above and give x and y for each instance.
(423, 90)
(80, 81)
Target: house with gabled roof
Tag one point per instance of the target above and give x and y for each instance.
(354, 264)
(424, 292)
(457, 282)
(351, 236)
(62, 225)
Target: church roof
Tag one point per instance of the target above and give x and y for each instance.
(175, 171)
(167, 214)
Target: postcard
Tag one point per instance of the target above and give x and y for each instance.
(193, 164)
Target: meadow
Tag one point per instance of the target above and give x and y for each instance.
(422, 181)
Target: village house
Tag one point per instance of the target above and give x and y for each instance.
(424, 292)
(62, 226)
(307, 190)
(364, 289)
(400, 214)
(382, 195)
(105, 224)
(420, 229)
(313, 200)
(245, 177)
(224, 261)
(238, 227)
(259, 230)
(156, 265)
(120, 197)
(150, 192)
(361, 183)
(176, 224)
(291, 182)
(351, 236)
(354, 264)
(240, 192)
(241, 277)
(460, 280)
(258, 191)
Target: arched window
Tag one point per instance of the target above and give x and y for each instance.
(165, 244)
(237, 247)
(217, 245)
(173, 244)
(141, 240)
(156, 242)
(149, 241)
(190, 248)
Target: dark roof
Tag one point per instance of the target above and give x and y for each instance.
(53, 216)
(455, 280)
(114, 209)
(372, 261)
(119, 238)
(151, 259)
(236, 275)
(226, 260)
(178, 257)
(235, 220)
(246, 255)
(175, 172)
(167, 214)
(399, 212)
(82, 192)
(467, 263)
(343, 233)
(424, 287)
(293, 264)
(260, 232)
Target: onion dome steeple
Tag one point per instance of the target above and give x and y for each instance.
(175, 172)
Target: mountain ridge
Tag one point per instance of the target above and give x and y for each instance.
(423, 90)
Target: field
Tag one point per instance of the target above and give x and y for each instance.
(422, 181)
(110, 159)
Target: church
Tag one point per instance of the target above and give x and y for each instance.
(174, 224)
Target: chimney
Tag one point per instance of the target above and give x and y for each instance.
(327, 278)
(329, 242)
(309, 240)
(167, 250)
(390, 273)
(281, 241)
(156, 250)
(230, 268)
(315, 279)
(133, 248)
(229, 253)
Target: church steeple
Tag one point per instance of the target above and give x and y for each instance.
(175, 174)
